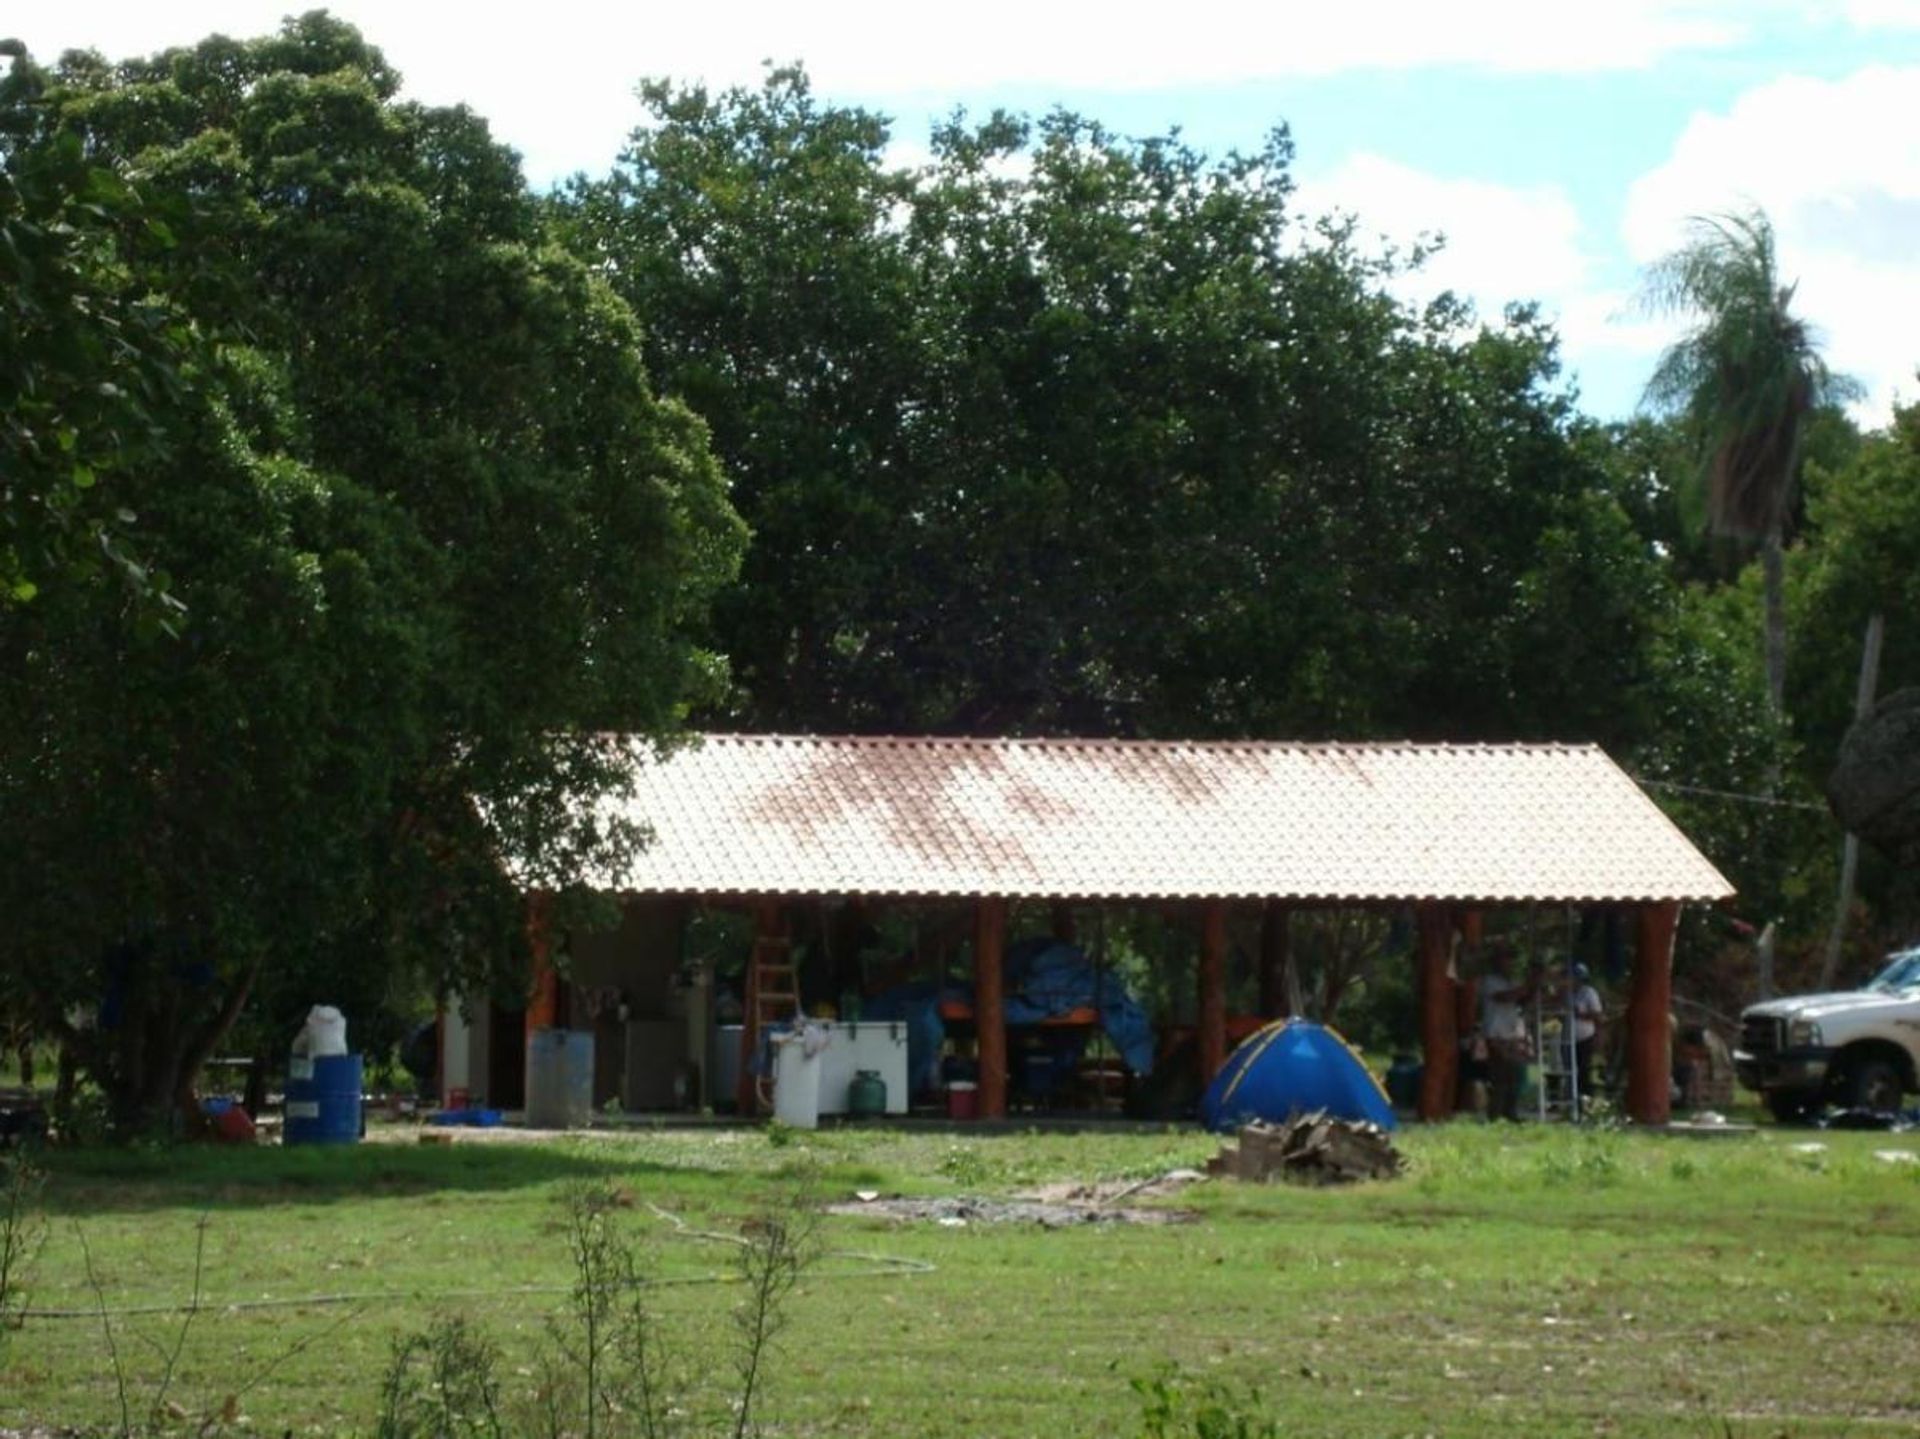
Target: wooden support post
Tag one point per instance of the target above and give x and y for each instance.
(543, 1002)
(1650, 1015)
(1276, 956)
(1439, 1035)
(989, 1003)
(1213, 989)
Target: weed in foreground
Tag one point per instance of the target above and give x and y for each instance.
(441, 1383)
(1178, 1405)
(607, 1367)
(23, 1229)
(161, 1413)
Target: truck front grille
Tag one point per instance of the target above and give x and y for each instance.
(1762, 1035)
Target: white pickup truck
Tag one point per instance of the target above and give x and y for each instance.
(1860, 1048)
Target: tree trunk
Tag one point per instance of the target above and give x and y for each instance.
(146, 1067)
(1850, 846)
(1773, 574)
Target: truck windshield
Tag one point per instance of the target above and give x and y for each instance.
(1902, 973)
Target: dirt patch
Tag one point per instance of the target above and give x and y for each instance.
(1102, 1192)
(1069, 1209)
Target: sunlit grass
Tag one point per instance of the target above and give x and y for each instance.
(1518, 1280)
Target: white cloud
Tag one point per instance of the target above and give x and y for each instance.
(1884, 14)
(1502, 242)
(1836, 165)
(556, 79)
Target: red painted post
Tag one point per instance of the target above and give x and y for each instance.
(989, 1003)
(1439, 1033)
(1650, 1015)
(1213, 989)
(543, 1004)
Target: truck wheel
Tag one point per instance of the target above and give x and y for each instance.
(1791, 1106)
(1873, 1084)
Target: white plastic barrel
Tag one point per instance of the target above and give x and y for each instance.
(796, 1082)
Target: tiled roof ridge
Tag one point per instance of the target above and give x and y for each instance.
(938, 741)
(774, 813)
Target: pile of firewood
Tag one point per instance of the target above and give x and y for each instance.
(1310, 1149)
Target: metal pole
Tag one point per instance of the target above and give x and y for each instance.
(1570, 1037)
(1539, 1030)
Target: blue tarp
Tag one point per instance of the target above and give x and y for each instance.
(1047, 977)
(1044, 978)
(918, 1007)
(1293, 1066)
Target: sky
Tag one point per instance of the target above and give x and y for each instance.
(1557, 147)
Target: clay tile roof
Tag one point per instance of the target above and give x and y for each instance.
(772, 814)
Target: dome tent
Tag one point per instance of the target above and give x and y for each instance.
(1293, 1066)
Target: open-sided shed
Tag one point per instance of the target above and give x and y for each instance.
(1450, 830)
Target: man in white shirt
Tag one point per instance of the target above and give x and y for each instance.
(1503, 1024)
(1587, 1013)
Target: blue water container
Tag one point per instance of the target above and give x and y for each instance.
(323, 1100)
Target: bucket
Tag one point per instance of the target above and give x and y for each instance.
(323, 1100)
(1403, 1081)
(963, 1100)
(559, 1078)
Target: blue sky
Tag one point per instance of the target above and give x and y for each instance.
(1558, 147)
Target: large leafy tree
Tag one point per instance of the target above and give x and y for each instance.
(1744, 379)
(1063, 431)
(433, 535)
(89, 365)
(757, 233)
(1863, 519)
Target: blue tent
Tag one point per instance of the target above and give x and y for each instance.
(1293, 1066)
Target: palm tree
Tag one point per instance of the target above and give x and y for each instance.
(1742, 381)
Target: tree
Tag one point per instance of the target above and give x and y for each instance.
(89, 366)
(1744, 380)
(757, 232)
(435, 538)
(1068, 432)
(1862, 559)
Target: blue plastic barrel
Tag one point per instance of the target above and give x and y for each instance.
(323, 1100)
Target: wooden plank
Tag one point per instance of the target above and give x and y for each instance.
(1213, 989)
(1650, 1015)
(1439, 1035)
(989, 1003)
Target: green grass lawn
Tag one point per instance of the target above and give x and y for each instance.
(1515, 1281)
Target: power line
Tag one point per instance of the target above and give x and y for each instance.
(1759, 799)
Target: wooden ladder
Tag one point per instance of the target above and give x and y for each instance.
(773, 998)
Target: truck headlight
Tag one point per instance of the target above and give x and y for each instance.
(1803, 1034)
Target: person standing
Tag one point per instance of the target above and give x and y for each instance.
(1587, 1013)
(1503, 1024)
